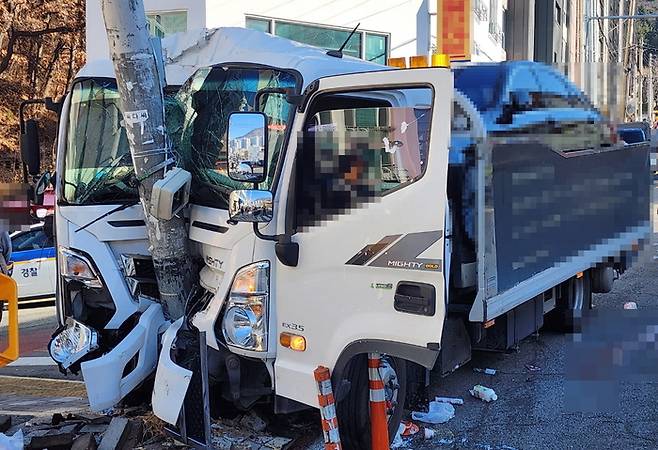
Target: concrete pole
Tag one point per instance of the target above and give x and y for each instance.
(650, 93)
(142, 104)
(640, 81)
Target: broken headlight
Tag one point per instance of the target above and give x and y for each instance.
(76, 267)
(245, 320)
(72, 343)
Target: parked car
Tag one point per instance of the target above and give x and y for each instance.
(632, 135)
(33, 257)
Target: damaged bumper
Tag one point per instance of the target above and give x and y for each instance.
(171, 380)
(104, 377)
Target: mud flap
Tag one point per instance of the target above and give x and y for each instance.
(455, 346)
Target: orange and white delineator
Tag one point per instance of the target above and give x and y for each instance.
(327, 409)
(9, 294)
(378, 419)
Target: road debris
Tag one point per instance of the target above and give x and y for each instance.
(410, 428)
(397, 440)
(14, 442)
(451, 400)
(438, 412)
(485, 371)
(532, 368)
(630, 305)
(429, 433)
(483, 393)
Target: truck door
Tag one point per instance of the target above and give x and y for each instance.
(369, 202)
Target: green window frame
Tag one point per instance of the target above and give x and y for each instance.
(165, 23)
(364, 44)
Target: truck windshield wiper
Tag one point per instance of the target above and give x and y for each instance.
(109, 213)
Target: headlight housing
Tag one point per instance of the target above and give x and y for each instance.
(245, 320)
(72, 343)
(76, 267)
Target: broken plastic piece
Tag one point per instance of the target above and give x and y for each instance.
(397, 441)
(532, 368)
(630, 305)
(438, 413)
(410, 428)
(429, 433)
(451, 400)
(483, 393)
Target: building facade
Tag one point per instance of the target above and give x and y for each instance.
(388, 28)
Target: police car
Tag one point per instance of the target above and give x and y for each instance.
(33, 257)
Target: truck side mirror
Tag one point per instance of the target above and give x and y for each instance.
(247, 147)
(30, 151)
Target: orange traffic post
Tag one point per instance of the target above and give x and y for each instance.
(9, 294)
(327, 409)
(378, 419)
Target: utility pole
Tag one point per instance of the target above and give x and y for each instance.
(650, 88)
(640, 80)
(142, 104)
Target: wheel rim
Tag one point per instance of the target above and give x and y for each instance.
(391, 384)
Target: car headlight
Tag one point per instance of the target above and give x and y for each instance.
(77, 268)
(72, 343)
(245, 321)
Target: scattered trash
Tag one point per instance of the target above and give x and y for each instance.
(397, 441)
(630, 305)
(532, 368)
(14, 442)
(439, 412)
(485, 371)
(429, 433)
(451, 400)
(483, 393)
(410, 428)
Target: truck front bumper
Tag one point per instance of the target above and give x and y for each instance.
(171, 380)
(103, 376)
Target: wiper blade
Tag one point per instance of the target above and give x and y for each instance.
(109, 213)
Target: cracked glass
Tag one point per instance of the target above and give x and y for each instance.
(197, 125)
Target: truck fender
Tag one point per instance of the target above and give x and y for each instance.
(424, 356)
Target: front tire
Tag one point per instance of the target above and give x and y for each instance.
(353, 411)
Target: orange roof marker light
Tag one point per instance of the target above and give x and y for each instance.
(440, 60)
(418, 61)
(400, 63)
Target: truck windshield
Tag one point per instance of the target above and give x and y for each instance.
(204, 104)
(97, 167)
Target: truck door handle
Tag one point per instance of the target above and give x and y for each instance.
(415, 298)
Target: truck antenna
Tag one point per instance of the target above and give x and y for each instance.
(339, 53)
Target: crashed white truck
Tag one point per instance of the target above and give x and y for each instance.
(360, 238)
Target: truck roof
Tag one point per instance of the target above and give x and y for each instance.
(187, 52)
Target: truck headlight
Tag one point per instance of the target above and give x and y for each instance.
(76, 267)
(245, 321)
(72, 343)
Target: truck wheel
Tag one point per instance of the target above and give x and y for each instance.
(575, 302)
(353, 411)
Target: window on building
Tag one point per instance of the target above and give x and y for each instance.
(163, 24)
(367, 45)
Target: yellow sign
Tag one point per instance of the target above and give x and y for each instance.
(9, 294)
(454, 29)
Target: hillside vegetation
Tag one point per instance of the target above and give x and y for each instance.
(41, 48)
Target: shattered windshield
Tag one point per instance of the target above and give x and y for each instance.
(199, 134)
(98, 166)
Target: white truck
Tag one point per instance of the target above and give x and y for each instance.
(390, 213)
